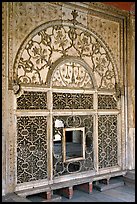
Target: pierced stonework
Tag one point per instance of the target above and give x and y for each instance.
(87, 164)
(107, 141)
(31, 148)
(72, 101)
(57, 41)
(106, 102)
(32, 100)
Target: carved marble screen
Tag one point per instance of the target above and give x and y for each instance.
(65, 72)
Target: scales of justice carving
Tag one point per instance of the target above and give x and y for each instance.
(72, 75)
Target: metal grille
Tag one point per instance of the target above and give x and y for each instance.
(106, 102)
(31, 148)
(107, 140)
(32, 100)
(72, 101)
(64, 168)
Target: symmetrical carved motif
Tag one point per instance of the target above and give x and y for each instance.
(107, 141)
(59, 41)
(31, 148)
(106, 102)
(72, 75)
(72, 101)
(63, 168)
(32, 100)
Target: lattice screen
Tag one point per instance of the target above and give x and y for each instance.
(72, 101)
(31, 148)
(107, 141)
(32, 100)
(106, 102)
(61, 168)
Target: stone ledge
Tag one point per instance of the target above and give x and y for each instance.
(113, 183)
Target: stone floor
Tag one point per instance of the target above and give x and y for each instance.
(119, 194)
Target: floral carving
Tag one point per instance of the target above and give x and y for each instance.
(101, 64)
(60, 39)
(57, 41)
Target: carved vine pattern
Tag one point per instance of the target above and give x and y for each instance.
(107, 141)
(32, 100)
(31, 148)
(72, 101)
(59, 41)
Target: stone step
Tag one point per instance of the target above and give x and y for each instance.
(31, 191)
(12, 197)
(40, 198)
(129, 178)
(113, 183)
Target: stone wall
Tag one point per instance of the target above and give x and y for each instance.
(131, 95)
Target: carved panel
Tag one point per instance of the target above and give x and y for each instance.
(31, 148)
(106, 102)
(72, 75)
(72, 101)
(59, 41)
(32, 100)
(63, 168)
(107, 141)
(109, 31)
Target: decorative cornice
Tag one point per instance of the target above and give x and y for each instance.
(92, 6)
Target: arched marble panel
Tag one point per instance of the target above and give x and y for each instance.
(61, 39)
